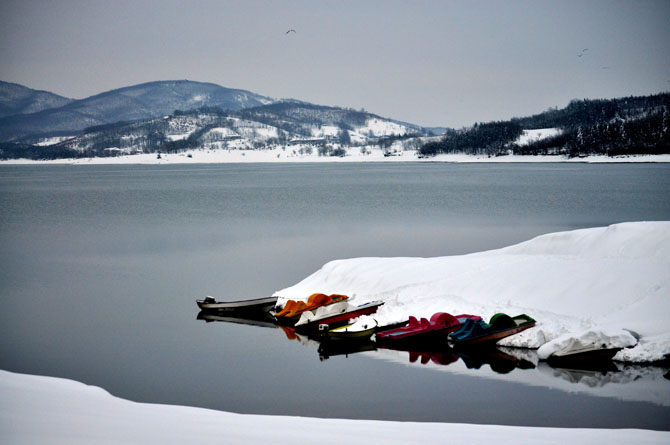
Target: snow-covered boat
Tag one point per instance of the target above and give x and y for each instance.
(293, 309)
(439, 325)
(577, 352)
(500, 326)
(255, 305)
(361, 330)
(335, 315)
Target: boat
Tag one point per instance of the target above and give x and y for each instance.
(335, 315)
(424, 330)
(256, 305)
(477, 332)
(361, 330)
(294, 309)
(578, 352)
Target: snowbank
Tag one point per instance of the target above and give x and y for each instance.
(607, 281)
(49, 410)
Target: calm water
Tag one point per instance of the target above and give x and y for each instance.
(100, 266)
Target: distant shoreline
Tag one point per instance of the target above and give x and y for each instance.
(283, 156)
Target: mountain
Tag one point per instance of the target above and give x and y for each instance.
(144, 101)
(298, 125)
(17, 99)
(612, 127)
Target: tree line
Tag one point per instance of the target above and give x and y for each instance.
(632, 125)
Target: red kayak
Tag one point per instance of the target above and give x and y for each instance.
(438, 327)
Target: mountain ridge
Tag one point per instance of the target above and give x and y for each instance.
(19, 99)
(134, 102)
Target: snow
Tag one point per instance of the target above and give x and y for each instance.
(597, 283)
(50, 410)
(177, 137)
(45, 142)
(325, 130)
(242, 153)
(219, 133)
(379, 127)
(529, 136)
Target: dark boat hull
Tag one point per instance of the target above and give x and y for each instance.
(255, 305)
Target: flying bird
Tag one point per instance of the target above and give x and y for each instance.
(290, 30)
(582, 53)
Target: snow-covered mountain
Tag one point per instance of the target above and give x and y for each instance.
(295, 124)
(17, 99)
(143, 101)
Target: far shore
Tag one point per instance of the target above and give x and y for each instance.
(285, 155)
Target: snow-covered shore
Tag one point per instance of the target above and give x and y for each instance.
(290, 154)
(608, 284)
(50, 410)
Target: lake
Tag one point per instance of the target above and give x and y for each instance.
(100, 267)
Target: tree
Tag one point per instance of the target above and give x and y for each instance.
(344, 138)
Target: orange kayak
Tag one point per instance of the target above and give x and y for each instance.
(293, 309)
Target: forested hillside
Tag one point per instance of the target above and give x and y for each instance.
(631, 125)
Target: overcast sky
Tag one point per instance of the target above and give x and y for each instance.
(433, 63)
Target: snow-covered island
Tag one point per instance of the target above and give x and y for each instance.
(601, 283)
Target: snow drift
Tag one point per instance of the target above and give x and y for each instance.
(49, 410)
(600, 283)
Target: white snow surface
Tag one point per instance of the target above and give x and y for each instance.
(49, 410)
(240, 152)
(377, 127)
(529, 136)
(597, 283)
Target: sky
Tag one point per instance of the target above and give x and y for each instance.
(431, 63)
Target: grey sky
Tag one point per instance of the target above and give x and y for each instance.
(426, 62)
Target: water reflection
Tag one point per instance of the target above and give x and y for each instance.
(332, 348)
(498, 361)
(262, 319)
(601, 378)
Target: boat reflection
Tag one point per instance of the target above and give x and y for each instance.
(332, 348)
(474, 358)
(261, 319)
(499, 361)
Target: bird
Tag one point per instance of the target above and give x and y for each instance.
(290, 30)
(582, 53)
